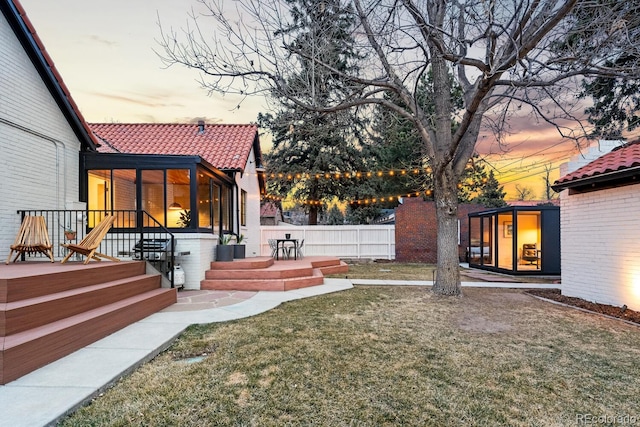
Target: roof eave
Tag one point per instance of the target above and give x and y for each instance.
(15, 15)
(597, 179)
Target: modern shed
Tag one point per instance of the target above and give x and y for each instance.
(516, 240)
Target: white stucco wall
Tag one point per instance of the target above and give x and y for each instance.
(39, 151)
(249, 183)
(600, 249)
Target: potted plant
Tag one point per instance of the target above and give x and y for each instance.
(185, 219)
(69, 234)
(239, 249)
(224, 251)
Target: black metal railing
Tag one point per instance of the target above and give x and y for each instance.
(125, 240)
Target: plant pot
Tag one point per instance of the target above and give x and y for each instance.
(224, 253)
(70, 235)
(239, 251)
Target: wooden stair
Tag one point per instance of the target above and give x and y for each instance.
(53, 311)
(266, 274)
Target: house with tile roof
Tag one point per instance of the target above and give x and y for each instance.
(42, 130)
(600, 205)
(200, 181)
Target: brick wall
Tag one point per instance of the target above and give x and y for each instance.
(39, 162)
(600, 240)
(416, 230)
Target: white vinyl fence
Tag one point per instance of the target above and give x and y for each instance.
(342, 241)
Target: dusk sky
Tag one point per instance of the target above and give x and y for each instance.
(104, 51)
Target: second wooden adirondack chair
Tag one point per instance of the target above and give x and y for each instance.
(91, 242)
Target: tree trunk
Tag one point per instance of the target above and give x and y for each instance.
(313, 215)
(446, 199)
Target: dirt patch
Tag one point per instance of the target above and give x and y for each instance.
(609, 310)
(474, 323)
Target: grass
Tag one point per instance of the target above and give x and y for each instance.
(390, 270)
(417, 271)
(386, 356)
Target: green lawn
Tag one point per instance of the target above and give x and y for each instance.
(387, 356)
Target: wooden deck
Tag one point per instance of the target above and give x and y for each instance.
(48, 311)
(266, 274)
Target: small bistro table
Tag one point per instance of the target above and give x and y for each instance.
(283, 241)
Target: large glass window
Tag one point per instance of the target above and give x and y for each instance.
(225, 208)
(213, 203)
(505, 240)
(529, 240)
(243, 210)
(215, 196)
(178, 198)
(152, 193)
(205, 210)
(99, 190)
(475, 240)
(112, 189)
(166, 194)
(487, 240)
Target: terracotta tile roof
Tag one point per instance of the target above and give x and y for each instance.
(619, 159)
(268, 210)
(226, 147)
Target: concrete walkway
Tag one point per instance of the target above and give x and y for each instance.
(44, 396)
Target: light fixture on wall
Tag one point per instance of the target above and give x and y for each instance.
(175, 206)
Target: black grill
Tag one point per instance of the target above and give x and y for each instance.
(152, 249)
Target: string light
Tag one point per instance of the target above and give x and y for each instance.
(348, 174)
(367, 201)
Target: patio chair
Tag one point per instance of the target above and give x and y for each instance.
(274, 248)
(530, 254)
(32, 237)
(273, 244)
(91, 242)
(298, 249)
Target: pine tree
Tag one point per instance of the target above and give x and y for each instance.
(306, 143)
(492, 195)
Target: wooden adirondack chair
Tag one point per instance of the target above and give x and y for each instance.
(91, 242)
(33, 237)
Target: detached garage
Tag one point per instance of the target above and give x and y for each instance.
(600, 235)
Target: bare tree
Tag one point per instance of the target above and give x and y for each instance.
(523, 192)
(549, 193)
(509, 57)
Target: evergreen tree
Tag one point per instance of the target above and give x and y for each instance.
(492, 195)
(362, 214)
(306, 143)
(335, 216)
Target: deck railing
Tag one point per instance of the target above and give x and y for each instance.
(129, 228)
